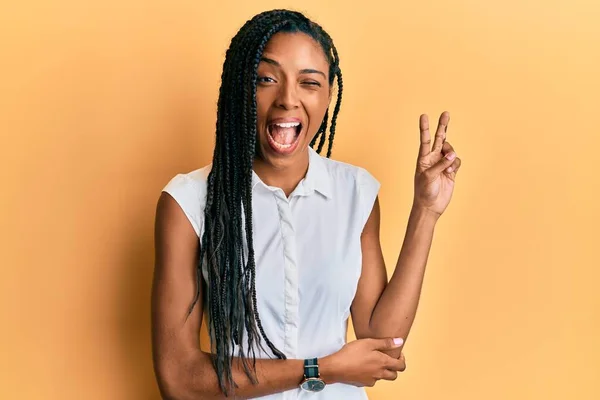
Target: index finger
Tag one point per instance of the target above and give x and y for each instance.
(425, 147)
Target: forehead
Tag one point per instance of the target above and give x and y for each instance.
(295, 49)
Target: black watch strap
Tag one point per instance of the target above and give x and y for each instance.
(311, 368)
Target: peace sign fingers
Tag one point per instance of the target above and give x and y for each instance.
(440, 135)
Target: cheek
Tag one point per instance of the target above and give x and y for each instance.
(262, 108)
(316, 109)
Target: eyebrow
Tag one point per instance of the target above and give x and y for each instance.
(302, 71)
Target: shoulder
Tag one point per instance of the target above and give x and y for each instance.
(349, 175)
(195, 180)
(356, 185)
(189, 186)
(189, 191)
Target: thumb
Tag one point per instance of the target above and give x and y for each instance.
(388, 343)
(443, 163)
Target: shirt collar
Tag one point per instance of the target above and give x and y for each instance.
(317, 177)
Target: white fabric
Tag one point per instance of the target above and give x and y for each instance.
(308, 257)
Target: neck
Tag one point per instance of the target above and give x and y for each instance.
(285, 175)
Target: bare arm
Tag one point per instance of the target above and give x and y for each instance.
(183, 371)
(382, 309)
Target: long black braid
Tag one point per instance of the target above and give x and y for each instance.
(231, 289)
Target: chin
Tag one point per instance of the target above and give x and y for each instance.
(278, 158)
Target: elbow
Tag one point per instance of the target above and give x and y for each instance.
(367, 331)
(180, 380)
(363, 334)
(172, 382)
(171, 386)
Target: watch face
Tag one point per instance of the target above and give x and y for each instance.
(313, 385)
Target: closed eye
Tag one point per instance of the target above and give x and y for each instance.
(313, 83)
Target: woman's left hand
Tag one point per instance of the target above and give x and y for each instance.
(436, 168)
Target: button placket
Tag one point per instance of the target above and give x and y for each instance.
(291, 314)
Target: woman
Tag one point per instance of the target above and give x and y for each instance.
(279, 245)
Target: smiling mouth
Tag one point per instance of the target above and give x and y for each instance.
(284, 135)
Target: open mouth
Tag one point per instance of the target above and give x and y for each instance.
(283, 136)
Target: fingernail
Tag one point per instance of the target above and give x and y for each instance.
(451, 156)
(398, 341)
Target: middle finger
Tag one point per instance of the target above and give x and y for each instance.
(440, 134)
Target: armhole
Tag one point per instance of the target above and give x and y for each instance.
(183, 192)
(368, 188)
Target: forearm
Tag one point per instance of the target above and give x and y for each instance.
(198, 380)
(395, 311)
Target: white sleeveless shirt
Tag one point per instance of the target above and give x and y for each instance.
(308, 258)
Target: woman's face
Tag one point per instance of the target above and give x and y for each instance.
(292, 95)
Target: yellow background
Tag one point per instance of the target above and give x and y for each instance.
(102, 102)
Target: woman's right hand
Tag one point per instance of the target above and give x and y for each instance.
(362, 363)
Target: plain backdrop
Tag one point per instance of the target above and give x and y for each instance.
(102, 102)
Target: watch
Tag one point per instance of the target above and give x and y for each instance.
(312, 380)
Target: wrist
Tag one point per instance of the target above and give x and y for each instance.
(423, 213)
(329, 370)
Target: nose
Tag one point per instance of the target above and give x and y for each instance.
(287, 97)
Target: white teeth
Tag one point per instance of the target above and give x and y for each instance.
(288, 124)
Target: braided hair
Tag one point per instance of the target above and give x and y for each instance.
(231, 292)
